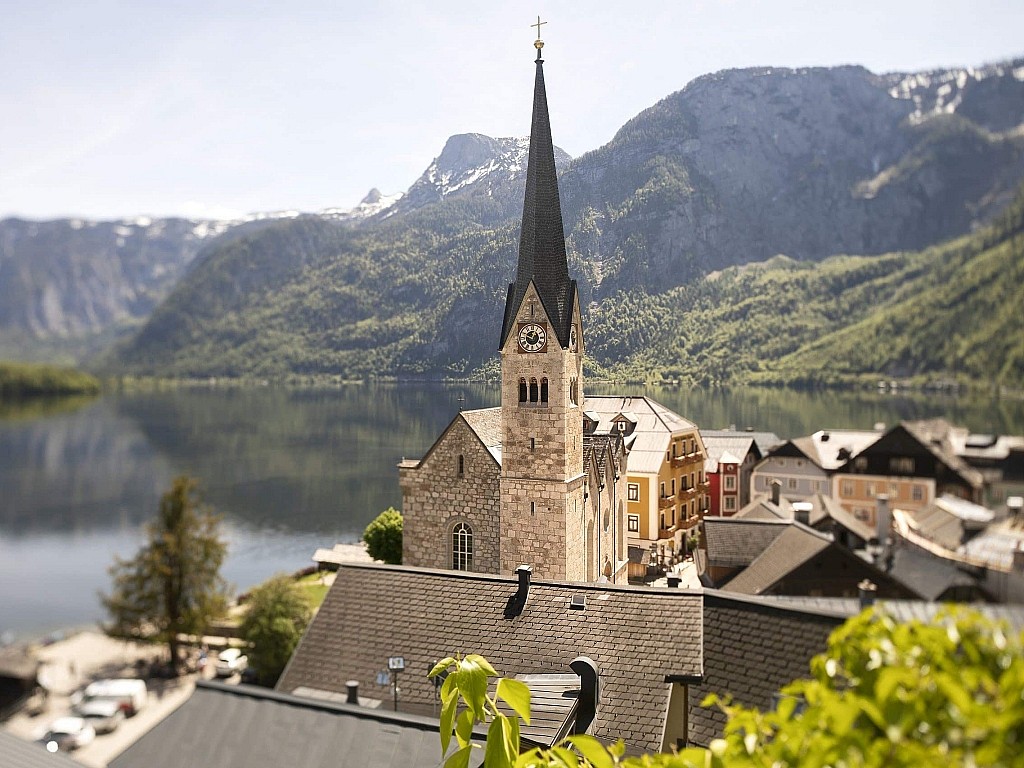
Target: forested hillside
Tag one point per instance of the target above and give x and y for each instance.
(950, 312)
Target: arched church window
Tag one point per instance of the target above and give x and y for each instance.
(533, 391)
(462, 547)
(574, 391)
(544, 390)
(462, 465)
(522, 390)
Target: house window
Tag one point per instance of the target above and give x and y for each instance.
(673, 487)
(846, 488)
(901, 465)
(730, 482)
(534, 392)
(673, 520)
(663, 494)
(522, 390)
(462, 465)
(544, 390)
(633, 523)
(864, 515)
(860, 463)
(730, 503)
(633, 491)
(791, 483)
(871, 490)
(917, 493)
(462, 547)
(663, 521)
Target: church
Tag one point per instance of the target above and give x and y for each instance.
(525, 483)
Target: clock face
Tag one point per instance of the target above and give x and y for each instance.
(532, 338)
(572, 338)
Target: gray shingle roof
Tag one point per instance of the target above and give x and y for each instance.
(228, 726)
(901, 610)
(636, 636)
(787, 552)
(752, 647)
(764, 441)
(16, 753)
(732, 543)
(928, 575)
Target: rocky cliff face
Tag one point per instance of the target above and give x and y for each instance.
(745, 164)
(71, 278)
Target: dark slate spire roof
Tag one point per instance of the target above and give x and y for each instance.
(542, 241)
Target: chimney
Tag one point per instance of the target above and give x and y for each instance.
(586, 704)
(673, 581)
(524, 572)
(867, 592)
(776, 492)
(352, 697)
(802, 512)
(884, 517)
(1014, 505)
(1018, 557)
(517, 602)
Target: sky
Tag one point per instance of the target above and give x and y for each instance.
(219, 108)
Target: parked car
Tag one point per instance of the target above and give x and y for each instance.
(129, 693)
(67, 733)
(231, 661)
(104, 715)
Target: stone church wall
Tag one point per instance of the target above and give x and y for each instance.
(435, 498)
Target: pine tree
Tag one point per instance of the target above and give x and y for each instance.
(173, 584)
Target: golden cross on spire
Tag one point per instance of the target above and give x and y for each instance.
(539, 43)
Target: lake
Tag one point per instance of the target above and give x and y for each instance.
(290, 470)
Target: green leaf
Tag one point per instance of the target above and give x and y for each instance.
(459, 758)
(441, 666)
(499, 753)
(482, 662)
(593, 750)
(618, 749)
(448, 707)
(565, 757)
(517, 695)
(464, 727)
(472, 684)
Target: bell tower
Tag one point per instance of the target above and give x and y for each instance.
(541, 486)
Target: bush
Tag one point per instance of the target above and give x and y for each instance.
(383, 537)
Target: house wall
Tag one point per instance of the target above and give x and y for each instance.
(858, 494)
(645, 508)
(435, 498)
(800, 477)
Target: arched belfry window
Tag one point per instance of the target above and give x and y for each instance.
(462, 547)
(522, 390)
(533, 391)
(544, 390)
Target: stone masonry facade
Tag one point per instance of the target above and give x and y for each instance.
(543, 515)
(435, 498)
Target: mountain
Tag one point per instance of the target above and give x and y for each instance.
(949, 313)
(735, 169)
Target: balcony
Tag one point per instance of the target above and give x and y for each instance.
(664, 502)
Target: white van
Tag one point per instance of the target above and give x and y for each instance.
(131, 695)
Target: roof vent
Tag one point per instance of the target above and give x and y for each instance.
(825, 437)
(578, 602)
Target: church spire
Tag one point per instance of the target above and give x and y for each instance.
(542, 240)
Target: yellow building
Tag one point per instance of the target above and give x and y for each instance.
(666, 488)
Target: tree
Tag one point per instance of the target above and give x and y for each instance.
(383, 537)
(278, 613)
(885, 693)
(173, 584)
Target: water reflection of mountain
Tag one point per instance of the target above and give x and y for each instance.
(80, 470)
(305, 460)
